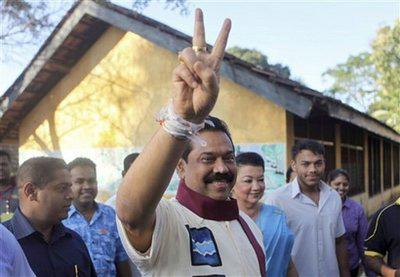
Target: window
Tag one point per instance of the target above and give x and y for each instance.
(322, 129)
(374, 160)
(396, 165)
(353, 163)
(387, 165)
(330, 162)
(352, 155)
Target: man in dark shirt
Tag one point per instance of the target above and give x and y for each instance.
(8, 188)
(384, 238)
(45, 197)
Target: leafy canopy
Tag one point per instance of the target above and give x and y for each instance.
(370, 80)
(260, 60)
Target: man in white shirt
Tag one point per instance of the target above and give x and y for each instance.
(313, 211)
(12, 258)
(201, 232)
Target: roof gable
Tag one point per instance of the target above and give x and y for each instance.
(87, 21)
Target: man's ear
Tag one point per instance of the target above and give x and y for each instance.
(180, 168)
(293, 165)
(30, 190)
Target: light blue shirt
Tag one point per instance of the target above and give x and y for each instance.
(100, 236)
(315, 227)
(134, 270)
(12, 258)
(278, 239)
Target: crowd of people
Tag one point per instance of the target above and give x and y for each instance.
(217, 225)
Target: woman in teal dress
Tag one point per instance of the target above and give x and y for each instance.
(278, 238)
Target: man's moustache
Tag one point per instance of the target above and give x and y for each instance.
(228, 177)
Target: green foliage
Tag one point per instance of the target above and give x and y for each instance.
(371, 80)
(168, 4)
(386, 57)
(27, 23)
(22, 17)
(354, 80)
(260, 60)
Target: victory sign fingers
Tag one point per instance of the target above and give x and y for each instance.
(196, 79)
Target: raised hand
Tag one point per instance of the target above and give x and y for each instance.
(196, 78)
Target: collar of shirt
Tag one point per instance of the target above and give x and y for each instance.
(295, 188)
(73, 211)
(347, 203)
(22, 228)
(206, 207)
(325, 191)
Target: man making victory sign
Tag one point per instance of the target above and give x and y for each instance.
(201, 232)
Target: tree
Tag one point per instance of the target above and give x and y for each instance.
(258, 59)
(354, 81)
(26, 23)
(371, 80)
(386, 57)
(140, 5)
(22, 24)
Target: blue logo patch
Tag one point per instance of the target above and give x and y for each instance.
(203, 249)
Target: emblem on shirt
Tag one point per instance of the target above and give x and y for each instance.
(203, 249)
(103, 231)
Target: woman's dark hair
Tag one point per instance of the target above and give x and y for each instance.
(335, 173)
(249, 158)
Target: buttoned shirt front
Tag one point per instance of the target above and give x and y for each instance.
(100, 236)
(64, 255)
(316, 226)
(356, 226)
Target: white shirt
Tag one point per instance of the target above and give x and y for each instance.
(315, 227)
(12, 258)
(184, 244)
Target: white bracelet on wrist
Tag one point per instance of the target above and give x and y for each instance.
(178, 127)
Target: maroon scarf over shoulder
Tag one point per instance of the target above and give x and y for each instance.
(211, 209)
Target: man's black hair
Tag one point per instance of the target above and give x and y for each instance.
(335, 173)
(39, 170)
(5, 153)
(82, 162)
(307, 144)
(212, 124)
(250, 158)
